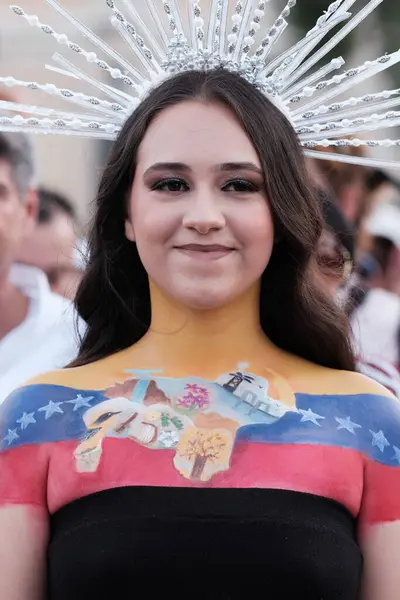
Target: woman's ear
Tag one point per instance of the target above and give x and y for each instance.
(129, 231)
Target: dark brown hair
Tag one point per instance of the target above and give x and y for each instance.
(113, 297)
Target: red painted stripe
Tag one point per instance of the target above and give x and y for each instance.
(332, 472)
(336, 473)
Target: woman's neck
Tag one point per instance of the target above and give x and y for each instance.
(204, 340)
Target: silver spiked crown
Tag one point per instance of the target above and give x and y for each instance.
(237, 39)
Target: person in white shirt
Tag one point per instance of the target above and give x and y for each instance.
(38, 329)
(376, 320)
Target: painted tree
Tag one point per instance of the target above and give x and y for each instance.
(237, 378)
(202, 446)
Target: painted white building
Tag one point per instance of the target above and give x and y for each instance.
(252, 391)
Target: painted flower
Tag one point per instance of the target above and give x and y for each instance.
(196, 397)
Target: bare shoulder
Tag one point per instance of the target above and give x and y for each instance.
(59, 377)
(56, 377)
(95, 376)
(315, 379)
(48, 389)
(353, 383)
(49, 406)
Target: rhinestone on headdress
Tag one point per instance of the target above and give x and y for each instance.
(233, 38)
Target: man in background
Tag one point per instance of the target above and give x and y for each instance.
(37, 327)
(53, 244)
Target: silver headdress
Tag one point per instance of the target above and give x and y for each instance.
(169, 43)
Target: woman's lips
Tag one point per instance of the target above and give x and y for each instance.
(204, 251)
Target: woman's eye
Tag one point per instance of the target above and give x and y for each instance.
(170, 185)
(240, 185)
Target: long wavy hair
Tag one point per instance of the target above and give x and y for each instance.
(114, 298)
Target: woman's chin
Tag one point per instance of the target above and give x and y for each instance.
(204, 299)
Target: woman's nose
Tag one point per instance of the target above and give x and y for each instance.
(203, 215)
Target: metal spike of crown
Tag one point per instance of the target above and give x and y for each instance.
(240, 40)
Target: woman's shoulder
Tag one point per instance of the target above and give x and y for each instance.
(67, 376)
(310, 378)
(49, 389)
(47, 407)
(95, 375)
(341, 391)
(367, 400)
(355, 383)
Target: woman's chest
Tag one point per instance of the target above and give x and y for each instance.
(236, 432)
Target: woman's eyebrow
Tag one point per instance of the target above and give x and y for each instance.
(167, 166)
(224, 167)
(239, 166)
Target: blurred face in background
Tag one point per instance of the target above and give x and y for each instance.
(383, 194)
(345, 183)
(381, 250)
(17, 216)
(52, 248)
(334, 262)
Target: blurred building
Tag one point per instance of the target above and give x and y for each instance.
(65, 163)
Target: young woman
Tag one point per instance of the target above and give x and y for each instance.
(212, 438)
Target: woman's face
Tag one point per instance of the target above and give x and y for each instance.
(334, 263)
(198, 210)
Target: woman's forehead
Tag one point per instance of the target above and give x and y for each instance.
(193, 131)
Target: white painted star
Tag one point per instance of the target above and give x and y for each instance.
(379, 440)
(347, 424)
(11, 436)
(80, 401)
(51, 408)
(26, 419)
(310, 416)
(396, 454)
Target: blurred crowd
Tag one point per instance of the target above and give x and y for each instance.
(41, 265)
(361, 246)
(42, 259)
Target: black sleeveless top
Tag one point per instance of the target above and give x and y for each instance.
(156, 542)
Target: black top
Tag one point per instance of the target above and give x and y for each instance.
(154, 542)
